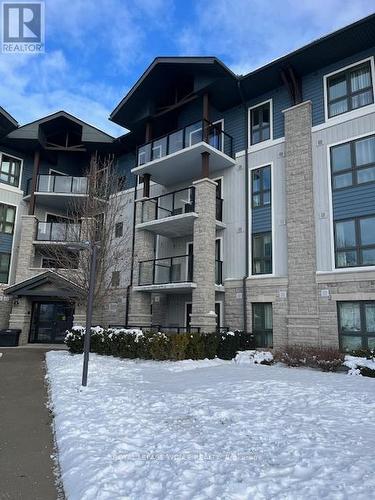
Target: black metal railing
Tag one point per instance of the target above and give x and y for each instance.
(178, 140)
(177, 202)
(59, 184)
(219, 272)
(177, 269)
(219, 209)
(58, 231)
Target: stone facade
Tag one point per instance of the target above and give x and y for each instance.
(203, 296)
(303, 319)
(26, 250)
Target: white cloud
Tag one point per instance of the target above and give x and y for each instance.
(249, 34)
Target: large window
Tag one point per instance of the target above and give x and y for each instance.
(4, 267)
(262, 253)
(262, 324)
(10, 169)
(356, 325)
(7, 218)
(260, 123)
(261, 187)
(355, 242)
(353, 163)
(350, 89)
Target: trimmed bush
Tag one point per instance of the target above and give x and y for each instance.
(366, 371)
(160, 346)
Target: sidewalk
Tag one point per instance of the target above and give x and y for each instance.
(26, 441)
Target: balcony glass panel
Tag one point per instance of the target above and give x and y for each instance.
(176, 142)
(177, 269)
(169, 204)
(192, 134)
(58, 231)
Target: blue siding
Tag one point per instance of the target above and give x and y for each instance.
(354, 202)
(6, 241)
(313, 84)
(261, 220)
(190, 113)
(124, 165)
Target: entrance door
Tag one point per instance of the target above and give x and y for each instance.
(50, 320)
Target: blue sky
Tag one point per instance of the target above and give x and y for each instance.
(97, 49)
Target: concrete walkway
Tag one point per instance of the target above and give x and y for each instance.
(26, 440)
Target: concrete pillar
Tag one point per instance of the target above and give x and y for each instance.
(140, 302)
(26, 251)
(204, 233)
(302, 319)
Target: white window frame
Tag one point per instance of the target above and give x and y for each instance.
(12, 256)
(270, 102)
(339, 118)
(273, 235)
(4, 184)
(330, 201)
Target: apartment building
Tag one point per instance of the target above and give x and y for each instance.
(252, 200)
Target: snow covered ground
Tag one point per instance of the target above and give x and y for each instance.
(211, 430)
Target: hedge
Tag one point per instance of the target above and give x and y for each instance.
(160, 346)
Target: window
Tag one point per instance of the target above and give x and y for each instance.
(4, 267)
(7, 218)
(115, 281)
(262, 253)
(68, 260)
(355, 242)
(262, 324)
(353, 163)
(10, 170)
(119, 229)
(260, 123)
(356, 325)
(350, 89)
(261, 187)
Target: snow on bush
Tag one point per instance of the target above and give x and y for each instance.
(254, 357)
(360, 366)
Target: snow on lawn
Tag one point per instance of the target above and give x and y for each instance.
(211, 430)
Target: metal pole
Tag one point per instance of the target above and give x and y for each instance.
(90, 302)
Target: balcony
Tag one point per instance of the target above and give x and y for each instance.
(57, 190)
(172, 214)
(57, 233)
(172, 274)
(176, 157)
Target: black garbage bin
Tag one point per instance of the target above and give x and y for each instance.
(10, 337)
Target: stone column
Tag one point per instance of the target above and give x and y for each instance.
(302, 319)
(204, 233)
(26, 250)
(140, 302)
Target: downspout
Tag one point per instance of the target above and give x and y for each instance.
(132, 255)
(244, 289)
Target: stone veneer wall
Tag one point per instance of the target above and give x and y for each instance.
(303, 319)
(204, 234)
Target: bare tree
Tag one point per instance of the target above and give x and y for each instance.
(98, 217)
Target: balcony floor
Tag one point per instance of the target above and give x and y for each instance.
(171, 227)
(184, 287)
(184, 164)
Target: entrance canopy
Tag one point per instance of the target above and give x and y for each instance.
(47, 284)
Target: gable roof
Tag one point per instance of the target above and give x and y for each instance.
(159, 74)
(48, 284)
(90, 134)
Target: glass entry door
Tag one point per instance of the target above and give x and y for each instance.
(50, 320)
